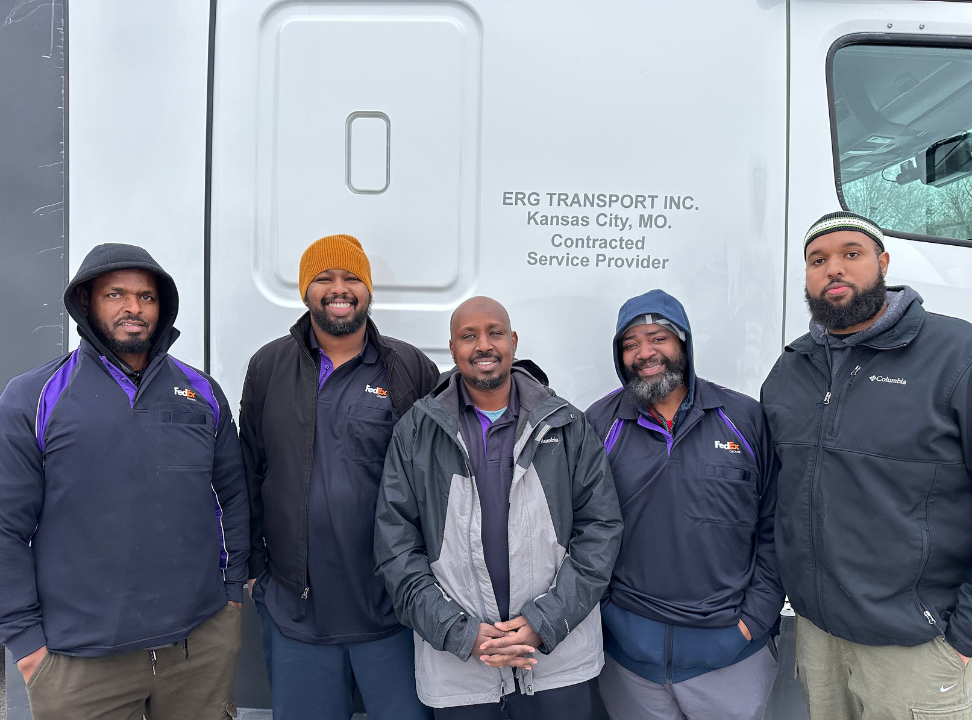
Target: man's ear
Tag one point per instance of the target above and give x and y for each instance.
(452, 352)
(884, 260)
(515, 341)
(305, 300)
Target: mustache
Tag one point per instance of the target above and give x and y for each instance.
(648, 362)
(488, 355)
(842, 283)
(129, 318)
(343, 298)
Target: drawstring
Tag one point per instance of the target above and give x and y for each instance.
(185, 644)
(152, 653)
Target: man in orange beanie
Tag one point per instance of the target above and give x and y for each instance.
(316, 418)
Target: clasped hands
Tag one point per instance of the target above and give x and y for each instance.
(507, 644)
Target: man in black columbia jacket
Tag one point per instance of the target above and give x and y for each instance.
(123, 514)
(871, 414)
(318, 410)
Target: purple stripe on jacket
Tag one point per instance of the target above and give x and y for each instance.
(206, 390)
(613, 435)
(49, 396)
(728, 422)
(202, 385)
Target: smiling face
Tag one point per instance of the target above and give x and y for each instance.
(845, 280)
(482, 343)
(338, 301)
(654, 362)
(123, 310)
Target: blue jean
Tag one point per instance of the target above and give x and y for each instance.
(315, 682)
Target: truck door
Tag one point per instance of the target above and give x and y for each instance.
(881, 124)
(561, 159)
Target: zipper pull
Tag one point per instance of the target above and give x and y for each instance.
(827, 399)
(306, 593)
(931, 620)
(855, 371)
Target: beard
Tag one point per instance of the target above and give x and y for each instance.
(338, 328)
(488, 383)
(862, 305)
(130, 346)
(645, 392)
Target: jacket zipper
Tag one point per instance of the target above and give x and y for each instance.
(921, 570)
(814, 475)
(813, 492)
(840, 400)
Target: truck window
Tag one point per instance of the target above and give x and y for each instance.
(901, 125)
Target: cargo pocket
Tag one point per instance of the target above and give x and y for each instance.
(959, 713)
(729, 495)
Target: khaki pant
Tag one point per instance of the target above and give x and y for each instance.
(846, 681)
(187, 681)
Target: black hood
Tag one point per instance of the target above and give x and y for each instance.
(117, 256)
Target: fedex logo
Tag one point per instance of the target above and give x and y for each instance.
(376, 391)
(187, 393)
(730, 446)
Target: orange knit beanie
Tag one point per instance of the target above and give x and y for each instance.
(334, 252)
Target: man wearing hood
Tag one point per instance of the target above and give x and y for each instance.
(124, 529)
(695, 594)
(871, 413)
(496, 530)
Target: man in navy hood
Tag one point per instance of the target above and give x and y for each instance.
(695, 594)
(124, 526)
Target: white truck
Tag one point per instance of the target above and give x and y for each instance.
(560, 157)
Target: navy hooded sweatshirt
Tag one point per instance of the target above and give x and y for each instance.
(124, 521)
(697, 553)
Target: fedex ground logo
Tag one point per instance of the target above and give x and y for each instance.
(187, 393)
(728, 445)
(885, 379)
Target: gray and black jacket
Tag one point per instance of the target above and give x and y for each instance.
(564, 535)
(874, 509)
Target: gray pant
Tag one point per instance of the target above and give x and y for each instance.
(737, 692)
(847, 681)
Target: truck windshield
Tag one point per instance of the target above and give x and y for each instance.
(902, 123)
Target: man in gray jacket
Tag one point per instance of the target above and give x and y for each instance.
(497, 529)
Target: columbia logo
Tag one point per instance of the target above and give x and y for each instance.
(730, 446)
(549, 440)
(187, 393)
(376, 391)
(882, 378)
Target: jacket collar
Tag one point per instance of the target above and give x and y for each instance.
(301, 332)
(896, 336)
(537, 403)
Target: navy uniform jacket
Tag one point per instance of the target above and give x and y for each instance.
(123, 509)
(697, 554)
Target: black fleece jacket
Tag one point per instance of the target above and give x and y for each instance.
(278, 417)
(874, 509)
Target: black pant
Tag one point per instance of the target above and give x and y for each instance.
(567, 703)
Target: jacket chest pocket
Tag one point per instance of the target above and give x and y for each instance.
(369, 432)
(728, 495)
(186, 438)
